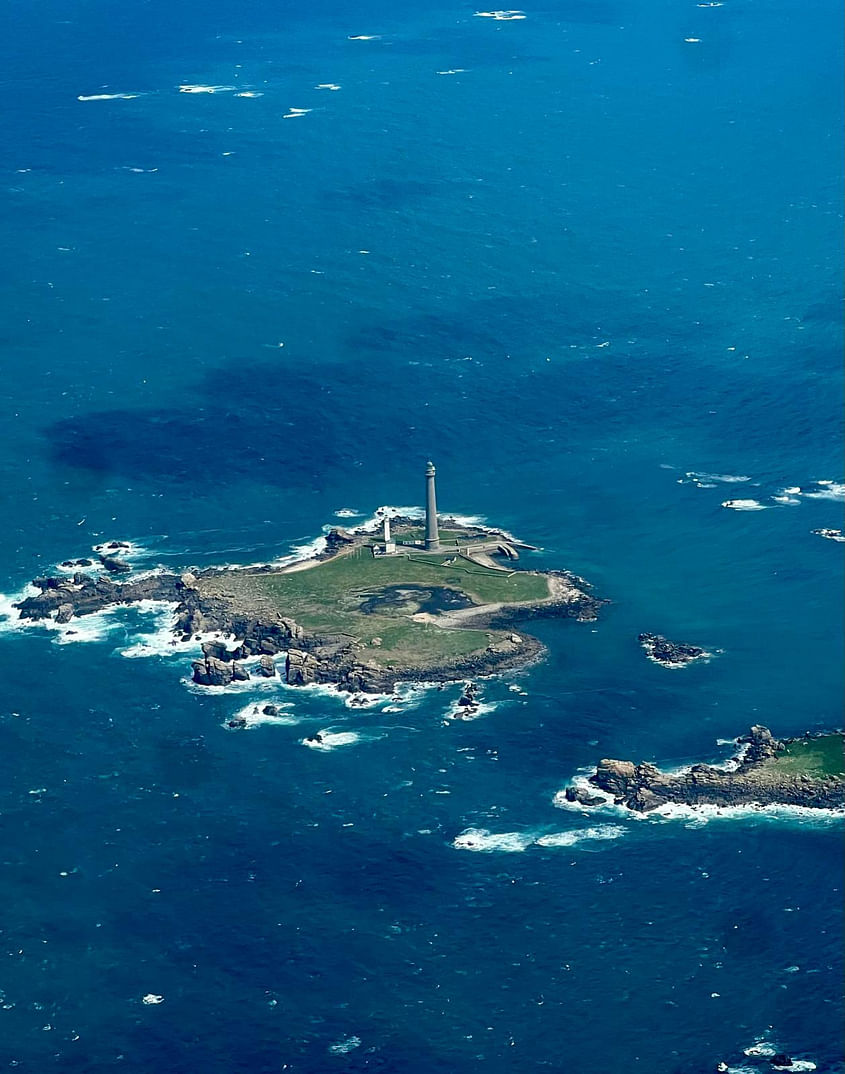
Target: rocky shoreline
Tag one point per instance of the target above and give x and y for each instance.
(265, 633)
(752, 778)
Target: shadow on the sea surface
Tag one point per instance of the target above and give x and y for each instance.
(501, 380)
(290, 425)
(382, 193)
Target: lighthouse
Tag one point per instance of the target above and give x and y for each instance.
(432, 535)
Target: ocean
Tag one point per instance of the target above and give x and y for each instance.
(589, 261)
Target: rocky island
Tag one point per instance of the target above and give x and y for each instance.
(373, 607)
(807, 771)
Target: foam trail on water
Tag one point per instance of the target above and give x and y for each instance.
(744, 505)
(571, 839)
(108, 96)
(200, 88)
(827, 490)
(330, 740)
(480, 839)
(253, 715)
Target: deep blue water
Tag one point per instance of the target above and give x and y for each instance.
(589, 258)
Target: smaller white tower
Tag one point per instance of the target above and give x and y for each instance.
(389, 543)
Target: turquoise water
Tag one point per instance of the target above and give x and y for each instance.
(594, 258)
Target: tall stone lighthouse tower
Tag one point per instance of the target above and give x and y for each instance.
(432, 534)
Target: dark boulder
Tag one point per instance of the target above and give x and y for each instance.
(239, 673)
(300, 668)
(212, 672)
(64, 613)
(576, 794)
(114, 565)
(217, 649)
(760, 745)
(267, 667)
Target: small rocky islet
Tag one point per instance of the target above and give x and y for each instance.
(808, 771)
(670, 654)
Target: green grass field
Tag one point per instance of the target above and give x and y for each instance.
(327, 599)
(823, 756)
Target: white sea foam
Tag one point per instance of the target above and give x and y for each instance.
(764, 1049)
(295, 113)
(10, 617)
(831, 535)
(88, 628)
(364, 37)
(501, 16)
(761, 1048)
(453, 71)
(161, 641)
(346, 1044)
(152, 1000)
(702, 814)
(788, 501)
(330, 740)
(250, 93)
(302, 553)
(199, 88)
(254, 715)
(464, 713)
(404, 695)
(744, 505)
(327, 86)
(480, 839)
(347, 512)
(571, 839)
(108, 96)
(826, 490)
(128, 550)
(697, 476)
(581, 783)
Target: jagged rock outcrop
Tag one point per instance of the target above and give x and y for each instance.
(467, 703)
(217, 649)
(114, 565)
(86, 594)
(576, 794)
(239, 672)
(301, 668)
(213, 672)
(64, 613)
(760, 744)
(755, 780)
(338, 538)
(267, 667)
